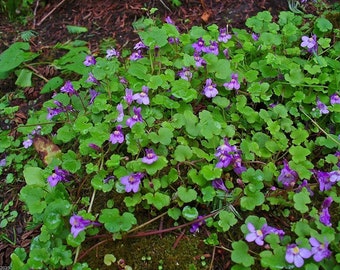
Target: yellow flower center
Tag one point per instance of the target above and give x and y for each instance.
(296, 250)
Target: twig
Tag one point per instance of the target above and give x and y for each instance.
(35, 14)
(48, 14)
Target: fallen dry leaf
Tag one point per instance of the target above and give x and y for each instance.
(46, 149)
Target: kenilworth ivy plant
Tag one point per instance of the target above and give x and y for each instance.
(233, 129)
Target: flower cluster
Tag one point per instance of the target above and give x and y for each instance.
(28, 143)
(229, 155)
(258, 235)
(287, 177)
(322, 107)
(51, 112)
(327, 179)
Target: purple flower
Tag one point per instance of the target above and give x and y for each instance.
(90, 60)
(237, 164)
(185, 74)
(337, 154)
(55, 111)
(306, 185)
(322, 107)
(57, 176)
(173, 40)
(219, 184)
(140, 45)
(110, 53)
(94, 147)
(255, 36)
(199, 46)
(335, 99)
(28, 143)
(132, 181)
(209, 89)
(266, 229)
(93, 95)
(142, 98)
(78, 224)
(69, 89)
(325, 217)
(137, 117)
(296, 255)
(227, 155)
(233, 84)
(128, 96)
(3, 162)
(197, 224)
(120, 112)
(334, 176)
(136, 55)
(226, 53)
(223, 36)
(117, 136)
(310, 43)
(212, 48)
(319, 251)
(254, 235)
(150, 157)
(92, 79)
(199, 61)
(169, 21)
(324, 180)
(287, 177)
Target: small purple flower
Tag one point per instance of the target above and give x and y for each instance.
(255, 36)
(223, 35)
(92, 79)
(94, 146)
(142, 98)
(136, 55)
(169, 21)
(89, 60)
(324, 180)
(137, 117)
(306, 185)
(199, 46)
(209, 89)
(199, 61)
(197, 224)
(219, 184)
(3, 162)
(233, 84)
(93, 95)
(296, 255)
(110, 53)
(173, 40)
(226, 53)
(120, 112)
(150, 157)
(266, 229)
(55, 111)
(319, 251)
(227, 155)
(287, 177)
(28, 143)
(254, 235)
(310, 43)
(57, 176)
(237, 164)
(185, 74)
(335, 99)
(132, 182)
(212, 48)
(78, 224)
(322, 107)
(140, 45)
(128, 96)
(117, 136)
(325, 216)
(334, 176)
(69, 89)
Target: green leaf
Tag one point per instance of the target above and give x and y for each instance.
(299, 153)
(34, 199)
(138, 70)
(323, 25)
(227, 220)
(189, 213)
(181, 89)
(66, 133)
(274, 259)
(158, 165)
(210, 172)
(34, 176)
(114, 222)
(24, 78)
(207, 125)
(159, 200)
(154, 36)
(182, 153)
(51, 85)
(164, 136)
(299, 136)
(186, 194)
(174, 213)
(71, 162)
(301, 199)
(294, 77)
(240, 254)
(76, 29)
(109, 259)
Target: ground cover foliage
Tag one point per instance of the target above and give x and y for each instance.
(233, 130)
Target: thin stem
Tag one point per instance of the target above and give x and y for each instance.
(318, 126)
(92, 200)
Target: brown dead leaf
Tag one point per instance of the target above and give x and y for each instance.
(46, 149)
(206, 15)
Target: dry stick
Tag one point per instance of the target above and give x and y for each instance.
(48, 14)
(35, 13)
